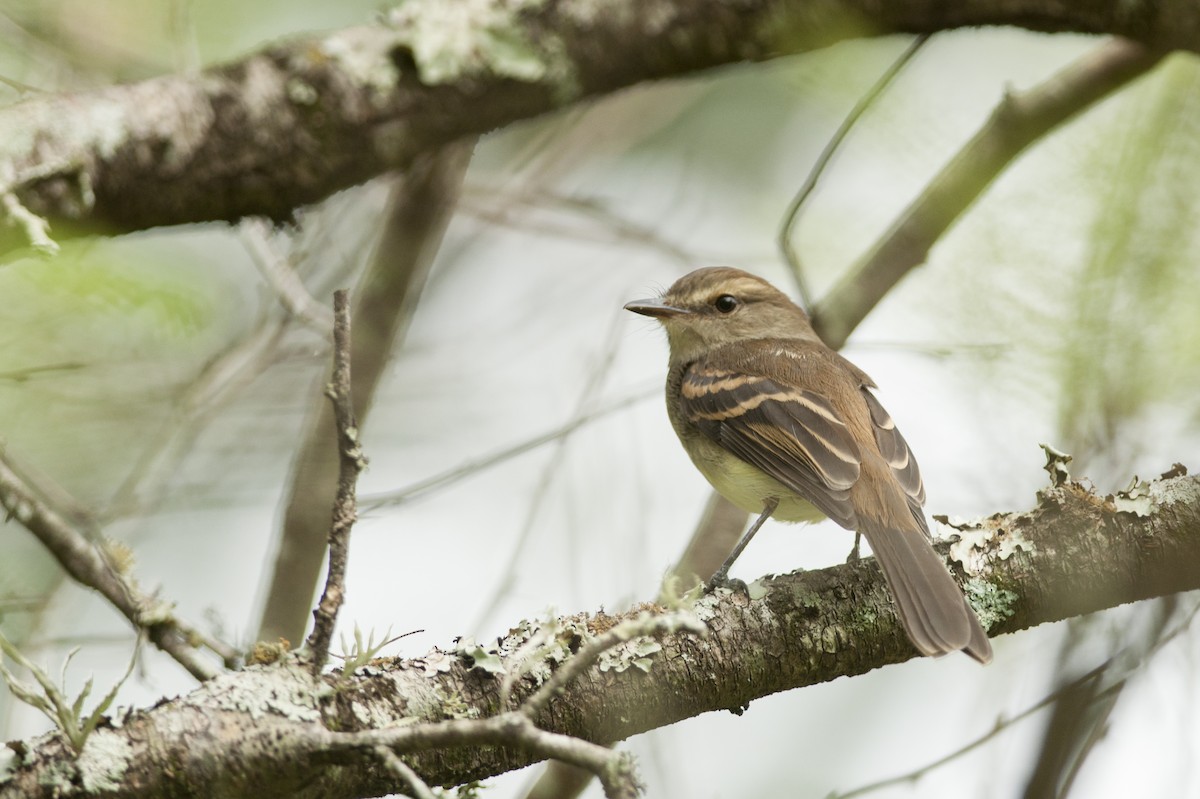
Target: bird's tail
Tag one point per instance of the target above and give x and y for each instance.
(932, 608)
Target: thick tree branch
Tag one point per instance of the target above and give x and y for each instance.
(332, 110)
(267, 732)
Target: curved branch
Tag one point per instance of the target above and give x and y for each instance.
(268, 732)
(77, 549)
(297, 121)
(1019, 121)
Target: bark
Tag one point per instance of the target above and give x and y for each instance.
(299, 120)
(272, 731)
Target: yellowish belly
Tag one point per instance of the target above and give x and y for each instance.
(748, 487)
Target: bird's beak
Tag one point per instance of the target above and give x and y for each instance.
(655, 308)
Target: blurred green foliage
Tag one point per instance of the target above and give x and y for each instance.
(1131, 331)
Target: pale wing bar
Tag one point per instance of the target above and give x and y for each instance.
(794, 436)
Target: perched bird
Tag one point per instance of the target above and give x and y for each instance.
(785, 427)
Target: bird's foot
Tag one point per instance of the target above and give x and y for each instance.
(855, 555)
(723, 580)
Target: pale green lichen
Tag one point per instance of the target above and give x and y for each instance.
(631, 654)
(1135, 499)
(284, 690)
(453, 706)
(102, 763)
(9, 760)
(484, 659)
(991, 603)
(471, 38)
(707, 606)
(363, 56)
(977, 541)
(301, 92)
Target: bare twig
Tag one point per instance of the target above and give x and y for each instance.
(35, 228)
(792, 215)
(513, 210)
(218, 383)
(281, 277)
(1087, 684)
(644, 624)
(464, 470)
(1019, 121)
(87, 562)
(419, 209)
(507, 574)
(404, 773)
(351, 462)
(512, 729)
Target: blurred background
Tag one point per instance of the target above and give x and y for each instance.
(157, 381)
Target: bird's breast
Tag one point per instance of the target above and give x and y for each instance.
(747, 486)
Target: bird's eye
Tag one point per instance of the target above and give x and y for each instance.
(726, 303)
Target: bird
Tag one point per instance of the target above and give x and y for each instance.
(785, 427)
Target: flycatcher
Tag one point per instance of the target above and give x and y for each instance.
(784, 426)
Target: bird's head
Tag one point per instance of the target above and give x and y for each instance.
(720, 305)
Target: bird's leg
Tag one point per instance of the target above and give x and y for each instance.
(855, 556)
(722, 575)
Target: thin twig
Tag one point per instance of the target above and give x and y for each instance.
(419, 209)
(643, 625)
(1019, 121)
(512, 729)
(351, 462)
(513, 211)
(216, 386)
(404, 772)
(35, 228)
(792, 215)
(518, 727)
(89, 565)
(464, 470)
(1075, 686)
(281, 276)
(552, 468)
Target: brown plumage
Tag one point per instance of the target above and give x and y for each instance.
(784, 426)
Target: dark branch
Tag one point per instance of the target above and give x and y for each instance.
(330, 111)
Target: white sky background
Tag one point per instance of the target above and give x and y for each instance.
(515, 322)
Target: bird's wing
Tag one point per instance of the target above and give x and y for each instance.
(898, 456)
(794, 435)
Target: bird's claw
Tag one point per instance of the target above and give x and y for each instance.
(725, 581)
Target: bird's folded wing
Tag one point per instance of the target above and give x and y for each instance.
(793, 435)
(899, 457)
(894, 449)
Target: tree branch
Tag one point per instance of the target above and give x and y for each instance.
(268, 732)
(351, 462)
(331, 110)
(85, 559)
(1019, 121)
(419, 209)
